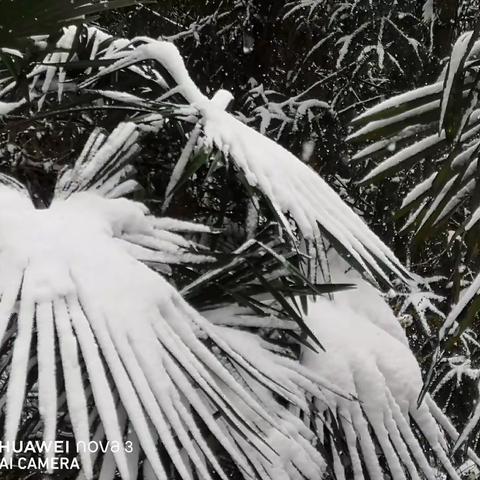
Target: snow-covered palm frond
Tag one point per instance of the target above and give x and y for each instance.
(367, 353)
(274, 115)
(422, 301)
(104, 165)
(288, 185)
(77, 271)
(61, 62)
(29, 35)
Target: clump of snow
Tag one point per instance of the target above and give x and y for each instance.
(428, 12)
(8, 107)
(367, 354)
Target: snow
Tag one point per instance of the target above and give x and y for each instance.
(418, 149)
(87, 284)
(346, 41)
(101, 164)
(423, 303)
(439, 198)
(122, 97)
(8, 107)
(47, 391)
(308, 105)
(180, 166)
(398, 100)
(457, 199)
(457, 58)
(475, 217)
(365, 299)
(392, 120)
(419, 190)
(175, 225)
(19, 366)
(64, 43)
(380, 48)
(465, 155)
(367, 355)
(75, 393)
(371, 149)
(389, 144)
(450, 323)
(12, 51)
(428, 12)
(163, 52)
(415, 44)
(447, 426)
(291, 186)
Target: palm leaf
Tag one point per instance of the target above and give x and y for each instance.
(438, 125)
(31, 17)
(158, 376)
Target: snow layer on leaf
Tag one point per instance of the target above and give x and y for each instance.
(372, 360)
(419, 190)
(385, 122)
(371, 149)
(457, 199)
(428, 12)
(451, 321)
(400, 99)
(366, 300)
(457, 57)
(475, 217)
(293, 187)
(141, 343)
(405, 155)
(8, 107)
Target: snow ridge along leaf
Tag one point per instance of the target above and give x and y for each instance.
(290, 186)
